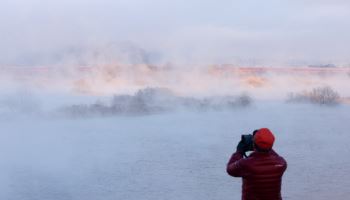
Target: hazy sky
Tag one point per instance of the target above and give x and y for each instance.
(183, 31)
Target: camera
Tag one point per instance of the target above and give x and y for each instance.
(248, 141)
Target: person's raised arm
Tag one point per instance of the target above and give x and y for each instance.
(235, 164)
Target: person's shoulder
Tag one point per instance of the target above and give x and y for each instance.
(278, 157)
(274, 153)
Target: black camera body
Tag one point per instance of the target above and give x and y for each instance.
(248, 141)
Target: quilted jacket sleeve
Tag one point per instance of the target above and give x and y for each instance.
(235, 166)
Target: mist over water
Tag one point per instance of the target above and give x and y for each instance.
(147, 100)
(126, 88)
(178, 155)
(250, 33)
(152, 132)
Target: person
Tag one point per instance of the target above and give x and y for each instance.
(262, 170)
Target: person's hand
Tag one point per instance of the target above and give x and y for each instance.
(242, 147)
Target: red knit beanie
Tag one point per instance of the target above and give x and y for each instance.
(264, 138)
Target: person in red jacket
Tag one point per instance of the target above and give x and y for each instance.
(262, 170)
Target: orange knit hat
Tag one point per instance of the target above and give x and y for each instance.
(264, 138)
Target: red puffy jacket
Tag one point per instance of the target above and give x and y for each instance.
(261, 173)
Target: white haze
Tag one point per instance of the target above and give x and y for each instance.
(106, 80)
(253, 32)
(64, 65)
(177, 156)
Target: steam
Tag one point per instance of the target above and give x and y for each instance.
(86, 59)
(107, 48)
(236, 32)
(200, 80)
(156, 100)
(123, 89)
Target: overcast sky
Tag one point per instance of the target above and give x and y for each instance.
(183, 31)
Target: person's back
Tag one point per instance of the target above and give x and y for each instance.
(261, 172)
